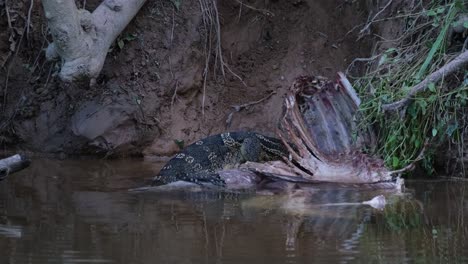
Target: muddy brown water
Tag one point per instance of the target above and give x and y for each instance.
(81, 212)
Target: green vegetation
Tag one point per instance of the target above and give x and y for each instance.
(435, 115)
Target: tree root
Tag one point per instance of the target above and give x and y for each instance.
(82, 39)
(238, 108)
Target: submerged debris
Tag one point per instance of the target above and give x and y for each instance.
(12, 164)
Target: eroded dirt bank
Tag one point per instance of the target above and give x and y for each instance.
(151, 90)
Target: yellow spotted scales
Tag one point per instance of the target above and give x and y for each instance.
(201, 161)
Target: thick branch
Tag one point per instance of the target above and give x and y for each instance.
(434, 77)
(82, 39)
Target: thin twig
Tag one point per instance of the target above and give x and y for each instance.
(434, 77)
(240, 13)
(246, 105)
(361, 60)
(365, 28)
(29, 19)
(263, 11)
(36, 60)
(7, 11)
(412, 164)
(172, 29)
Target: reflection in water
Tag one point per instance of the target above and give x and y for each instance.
(81, 212)
(10, 231)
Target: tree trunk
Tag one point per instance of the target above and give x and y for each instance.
(82, 39)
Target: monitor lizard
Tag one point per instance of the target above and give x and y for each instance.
(201, 161)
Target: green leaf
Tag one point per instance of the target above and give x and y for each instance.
(390, 50)
(130, 37)
(451, 128)
(423, 105)
(459, 5)
(382, 59)
(176, 4)
(179, 143)
(120, 43)
(395, 161)
(412, 111)
(440, 10)
(438, 42)
(431, 13)
(431, 87)
(465, 24)
(434, 132)
(417, 143)
(432, 98)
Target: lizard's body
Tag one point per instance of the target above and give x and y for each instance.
(200, 162)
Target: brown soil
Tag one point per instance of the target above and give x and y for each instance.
(151, 90)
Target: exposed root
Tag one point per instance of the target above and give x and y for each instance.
(364, 31)
(174, 95)
(219, 51)
(5, 88)
(82, 39)
(246, 105)
(238, 108)
(207, 22)
(212, 26)
(235, 75)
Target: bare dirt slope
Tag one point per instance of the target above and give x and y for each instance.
(151, 90)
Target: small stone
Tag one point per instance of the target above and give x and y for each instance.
(282, 78)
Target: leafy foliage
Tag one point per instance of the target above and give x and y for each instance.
(435, 114)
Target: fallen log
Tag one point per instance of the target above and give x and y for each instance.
(317, 128)
(449, 68)
(12, 164)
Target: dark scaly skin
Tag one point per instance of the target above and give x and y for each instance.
(200, 162)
